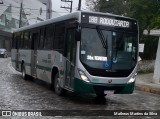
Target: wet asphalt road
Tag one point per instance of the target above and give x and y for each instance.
(18, 94)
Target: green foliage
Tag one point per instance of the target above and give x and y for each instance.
(145, 11)
(155, 22)
(112, 6)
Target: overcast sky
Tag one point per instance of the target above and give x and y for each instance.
(56, 5)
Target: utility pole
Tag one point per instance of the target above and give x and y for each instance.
(20, 16)
(71, 2)
(79, 5)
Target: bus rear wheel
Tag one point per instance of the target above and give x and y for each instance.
(57, 88)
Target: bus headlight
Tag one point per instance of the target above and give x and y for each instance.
(83, 76)
(133, 78)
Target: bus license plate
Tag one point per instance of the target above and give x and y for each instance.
(109, 92)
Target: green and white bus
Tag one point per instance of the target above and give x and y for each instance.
(82, 52)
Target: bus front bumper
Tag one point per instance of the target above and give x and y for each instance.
(83, 87)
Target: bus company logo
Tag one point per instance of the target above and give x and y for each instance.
(110, 81)
(6, 113)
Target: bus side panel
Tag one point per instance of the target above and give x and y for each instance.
(59, 61)
(25, 56)
(44, 65)
(13, 57)
(46, 60)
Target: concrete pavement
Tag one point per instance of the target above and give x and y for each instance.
(144, 83)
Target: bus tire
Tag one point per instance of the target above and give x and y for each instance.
(57, 88)
(101, 94)
(24, 75)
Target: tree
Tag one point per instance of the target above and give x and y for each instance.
(118, 7)
(146, 12)
(92, 4)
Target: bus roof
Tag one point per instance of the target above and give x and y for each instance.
(58, 19)
(75, 15)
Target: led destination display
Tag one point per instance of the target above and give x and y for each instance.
(108, 21)
(116, 22)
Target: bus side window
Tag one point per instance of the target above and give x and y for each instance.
(14, 41)
(29, 40)
(48, 43)
(21, 40)
(59, 37)
(18, 40)
(26, 40)
(42, 37)
(34, 38)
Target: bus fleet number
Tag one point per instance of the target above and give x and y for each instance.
(93, 19)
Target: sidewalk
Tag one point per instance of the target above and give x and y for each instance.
(144, 83)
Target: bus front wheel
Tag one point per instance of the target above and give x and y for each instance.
(101, 94)
(58, 89)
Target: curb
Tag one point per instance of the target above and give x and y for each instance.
(147, 89)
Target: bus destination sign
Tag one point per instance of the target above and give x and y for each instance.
(109, 22)
(106, 21)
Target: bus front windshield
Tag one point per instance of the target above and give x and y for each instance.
(109, 50)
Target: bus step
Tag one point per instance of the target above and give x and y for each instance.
(69, 88)
(34, 76)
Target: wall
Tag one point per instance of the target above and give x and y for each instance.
(5, 40)
(156, 77)
(146, 66)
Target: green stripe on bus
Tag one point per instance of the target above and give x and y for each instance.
(38, 66)
(27, 64)
(19, 62)
(44, 68)
(13, 60)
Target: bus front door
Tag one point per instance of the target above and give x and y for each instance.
(34, 55)
(71, 57)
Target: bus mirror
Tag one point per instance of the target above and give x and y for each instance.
(77, 35)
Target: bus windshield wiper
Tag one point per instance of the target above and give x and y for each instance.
(102, 38)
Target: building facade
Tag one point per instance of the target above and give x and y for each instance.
(12, 13)
(19, 13)
(48, 4)
(5, 40)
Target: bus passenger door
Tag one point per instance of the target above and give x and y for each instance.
(71, 57)
(34, 46)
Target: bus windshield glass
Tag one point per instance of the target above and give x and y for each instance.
(119, 53)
